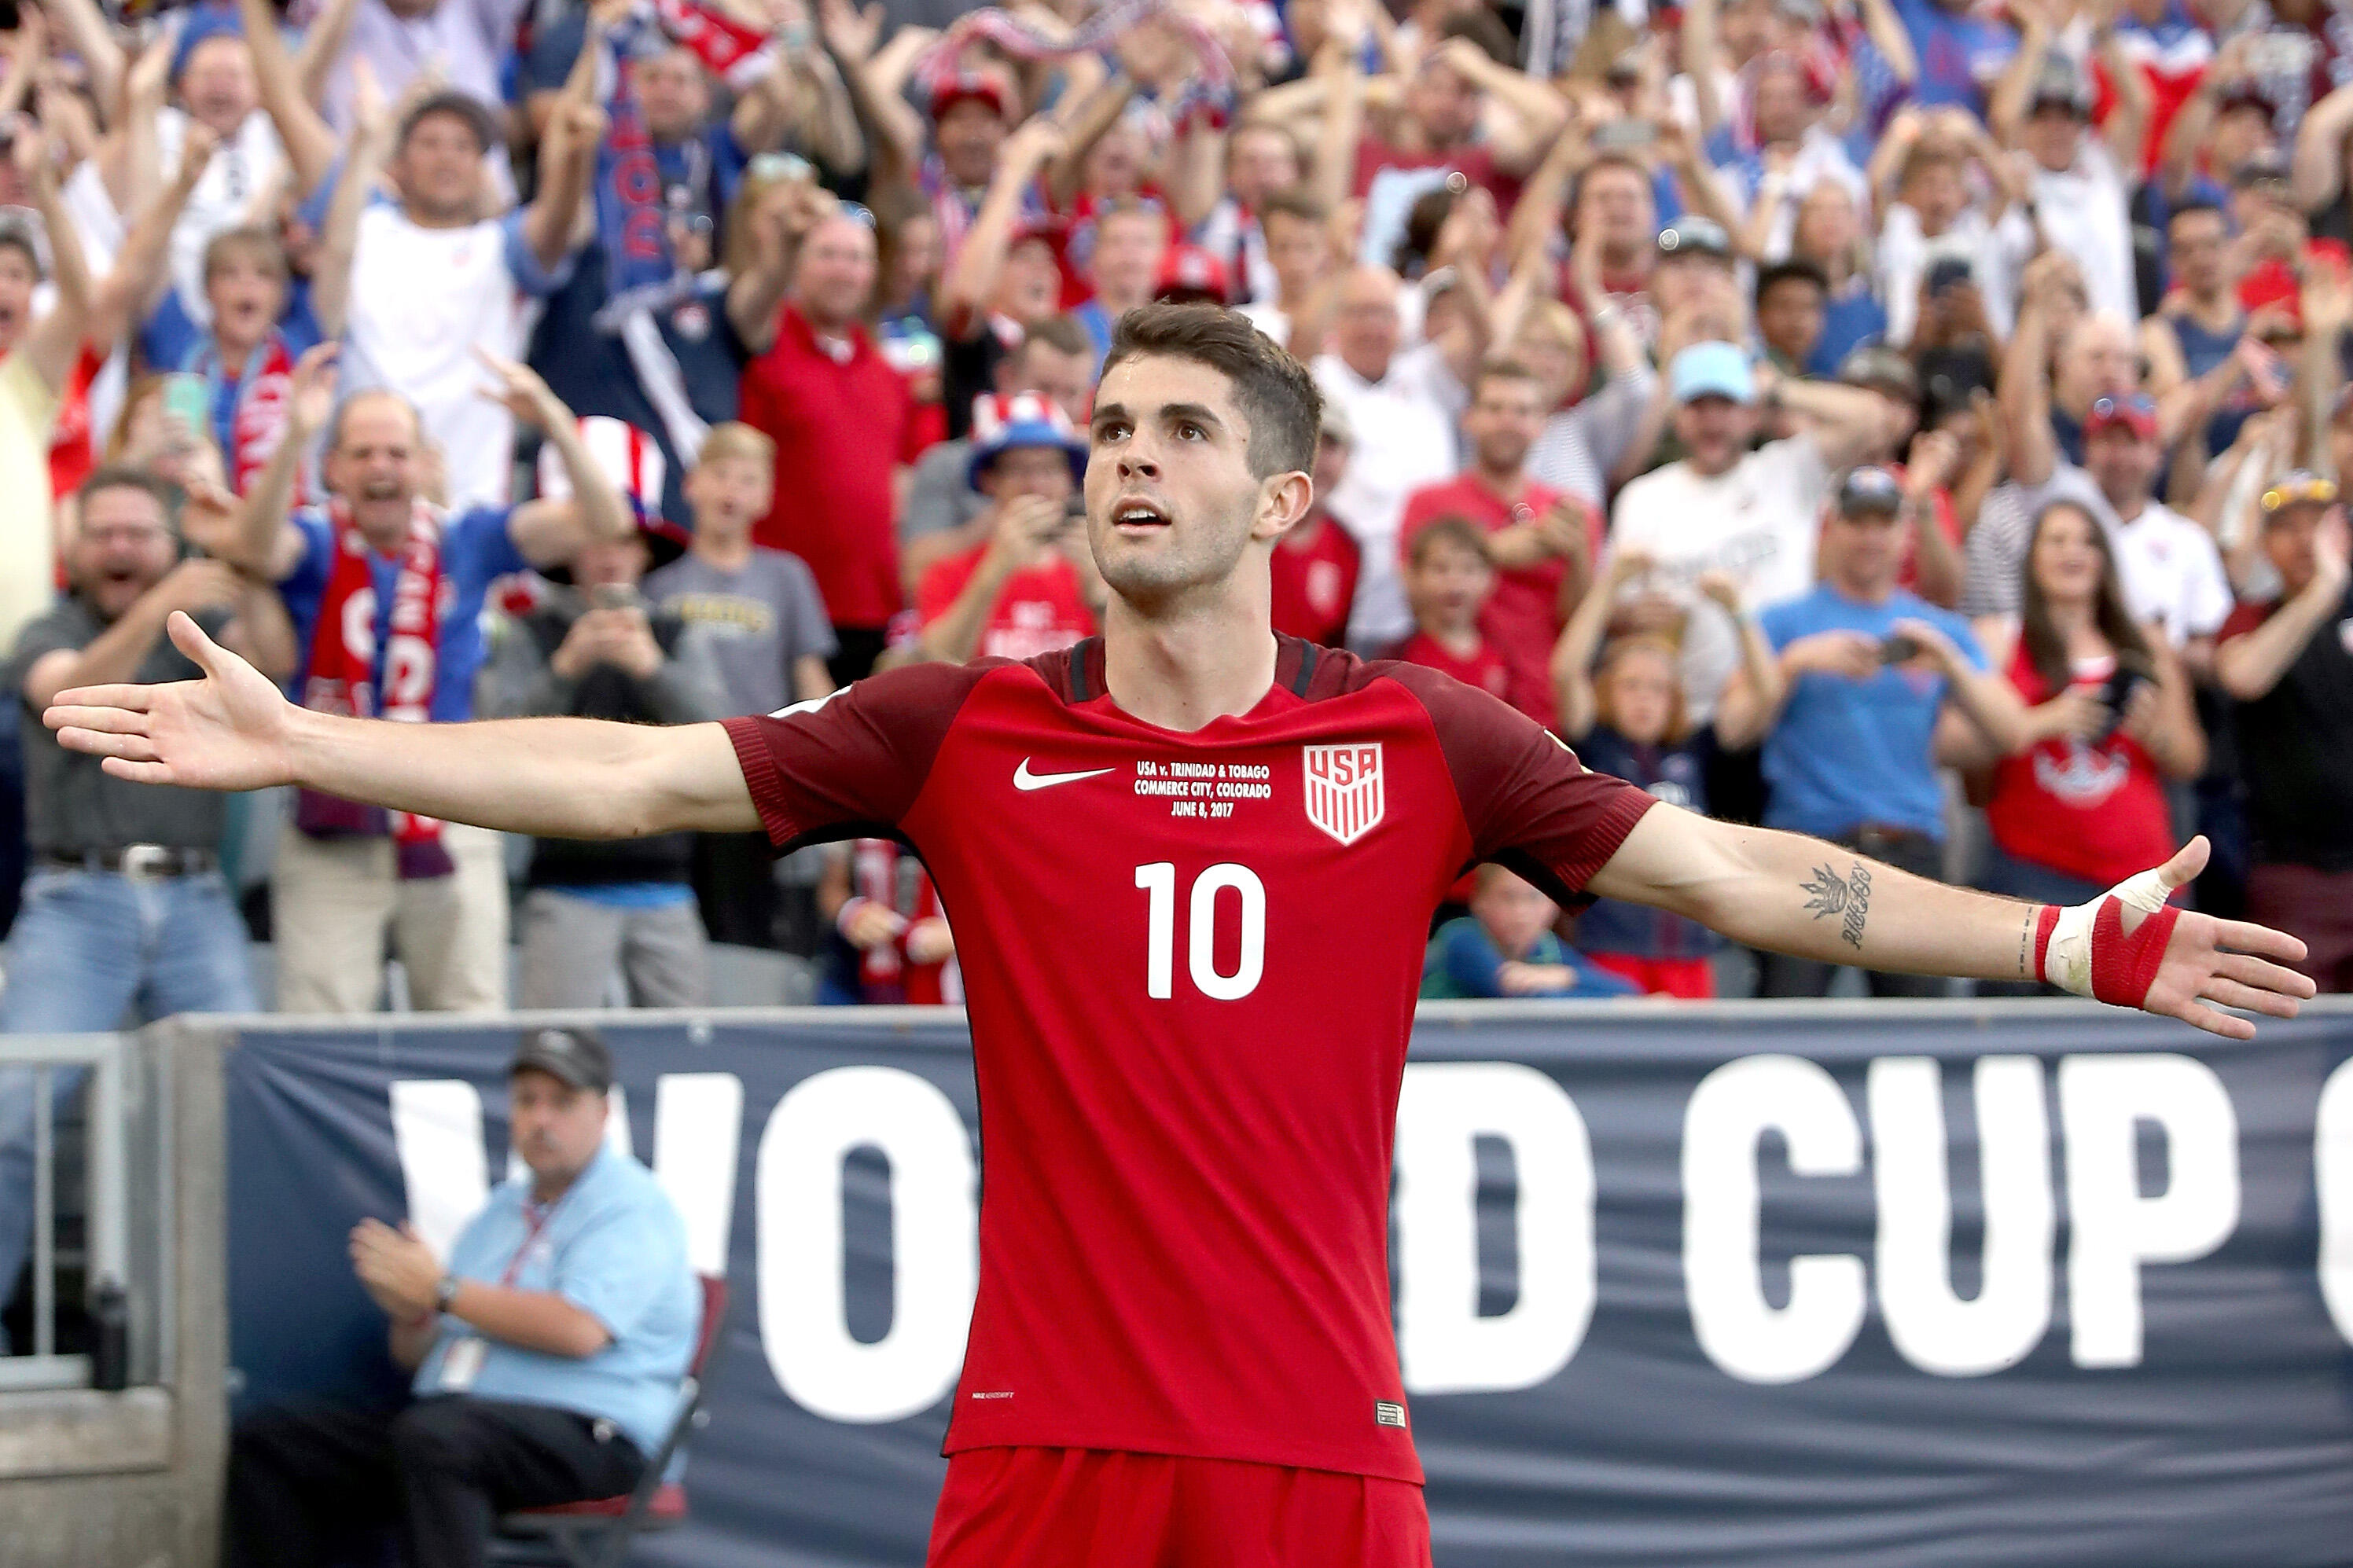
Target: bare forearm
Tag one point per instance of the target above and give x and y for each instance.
(529, 1320)
(1801, 896)
(556, 778)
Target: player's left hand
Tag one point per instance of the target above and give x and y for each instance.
(2131, 948)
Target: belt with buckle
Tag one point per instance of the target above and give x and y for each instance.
(137, 860)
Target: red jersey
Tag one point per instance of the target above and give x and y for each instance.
(1039, 609)
(1522, 617)
(2090, 809)
(1188, 1058)
(1315, 583)
(842, 425)
(1484, 669)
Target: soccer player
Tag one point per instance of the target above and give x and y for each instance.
(1181, 1349)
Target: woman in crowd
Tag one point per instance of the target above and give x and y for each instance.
(2082, 804)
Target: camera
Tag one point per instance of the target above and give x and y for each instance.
(1949, 272)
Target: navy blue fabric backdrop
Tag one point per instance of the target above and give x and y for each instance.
(1837, 1286)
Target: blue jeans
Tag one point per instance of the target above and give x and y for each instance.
(89, 948)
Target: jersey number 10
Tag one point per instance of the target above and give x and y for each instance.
(1159, 880)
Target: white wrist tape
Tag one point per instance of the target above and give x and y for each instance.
(2068, 962)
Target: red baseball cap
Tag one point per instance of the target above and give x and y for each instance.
(953, 89)
(2134, 411)
(1189, 273)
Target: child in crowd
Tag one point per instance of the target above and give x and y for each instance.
(759, 610)
(758, 607)
(1505, 947)
(1627, 718)
(1448, 576)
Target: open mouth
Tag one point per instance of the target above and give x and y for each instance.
(1135, 515)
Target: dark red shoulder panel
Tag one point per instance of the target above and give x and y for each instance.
(855, 760)
(1526, 799)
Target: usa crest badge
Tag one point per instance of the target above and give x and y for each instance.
(1344, 789)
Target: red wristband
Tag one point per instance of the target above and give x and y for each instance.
(2044, 924)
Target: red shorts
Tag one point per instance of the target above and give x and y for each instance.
(1692, 979)
(1093, 1508)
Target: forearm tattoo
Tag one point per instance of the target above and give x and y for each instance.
(1850, 900)
(2026, 946)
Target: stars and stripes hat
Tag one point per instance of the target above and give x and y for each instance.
(633, 460)
(1002, 422)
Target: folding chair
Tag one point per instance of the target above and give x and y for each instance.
(596, 1533)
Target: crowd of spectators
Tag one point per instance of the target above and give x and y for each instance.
(1914, 422)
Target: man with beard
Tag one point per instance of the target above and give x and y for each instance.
(1541, 544)
(386, 591)
(125, 912)
(1183, 1321)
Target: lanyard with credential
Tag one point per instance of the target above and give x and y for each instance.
(535, 1220)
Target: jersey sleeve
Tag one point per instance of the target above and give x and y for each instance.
(1528, 803)
(851, 764)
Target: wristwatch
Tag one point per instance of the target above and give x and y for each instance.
(445, 1294)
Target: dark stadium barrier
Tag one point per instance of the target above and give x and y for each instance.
(1825, 1284)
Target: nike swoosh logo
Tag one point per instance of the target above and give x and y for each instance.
(1024, 780)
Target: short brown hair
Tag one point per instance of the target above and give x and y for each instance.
(1063, 333)
(1272, 390)
(250, 240)
(1300, 203)
(1500, 369)
(125, 477)
(1459, 532)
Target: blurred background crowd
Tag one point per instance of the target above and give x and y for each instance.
(1912, 422)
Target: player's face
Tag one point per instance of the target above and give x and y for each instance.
(1171, 502)
(555, 1128)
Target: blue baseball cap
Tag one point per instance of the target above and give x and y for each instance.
(1712, 369)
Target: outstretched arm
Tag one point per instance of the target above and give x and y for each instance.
(1801, 896)
(560, 778)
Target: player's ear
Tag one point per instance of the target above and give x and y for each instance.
(1282, 500)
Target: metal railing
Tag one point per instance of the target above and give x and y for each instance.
(106, 1241)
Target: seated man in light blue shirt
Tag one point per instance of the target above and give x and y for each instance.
(1874, 680)
(547, 1354)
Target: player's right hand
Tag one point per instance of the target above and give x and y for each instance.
(233, 730)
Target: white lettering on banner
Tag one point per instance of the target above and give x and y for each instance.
(2112, 1229)
(698, 1118)
(1445, 1346)
(436, 1130)
(1933, 1328)
(935, 1267)
(2332, 1160)
(1741, 1331)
